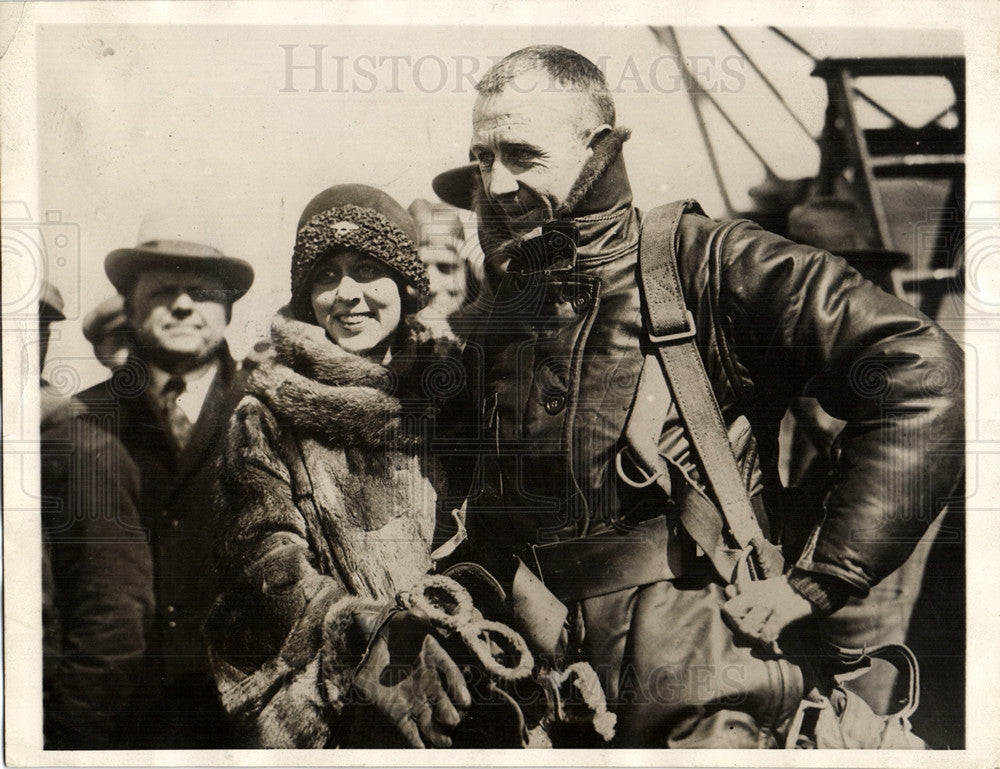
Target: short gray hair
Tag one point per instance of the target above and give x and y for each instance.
(564, 66)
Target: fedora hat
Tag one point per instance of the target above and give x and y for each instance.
(165, 241)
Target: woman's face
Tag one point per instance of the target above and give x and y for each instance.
(356, 299)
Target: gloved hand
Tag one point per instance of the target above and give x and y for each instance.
(413, 682)
(762, 609)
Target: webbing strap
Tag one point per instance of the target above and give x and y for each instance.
(698, 515)
(670, 326)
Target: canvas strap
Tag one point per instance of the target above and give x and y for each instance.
(670, 327)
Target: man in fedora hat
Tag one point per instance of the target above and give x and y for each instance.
(631, 378)
(172, 400)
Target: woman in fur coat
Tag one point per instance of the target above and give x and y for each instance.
(328, 497)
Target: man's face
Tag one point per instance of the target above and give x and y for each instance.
(448, 287)
(179, 316)
(531, 142)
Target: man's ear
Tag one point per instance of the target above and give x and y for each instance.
(596, 134)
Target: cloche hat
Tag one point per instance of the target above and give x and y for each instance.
(363, 219)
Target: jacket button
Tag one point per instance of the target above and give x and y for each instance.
(555, 404)
(171, 610)
(171, 624)
(174, 523)
(581, 302)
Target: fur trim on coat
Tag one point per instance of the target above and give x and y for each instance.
(304, 572)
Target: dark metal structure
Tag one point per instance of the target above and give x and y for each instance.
(906, 182)
(909, 180)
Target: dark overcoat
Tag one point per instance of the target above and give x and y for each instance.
(97, 580)
(176, 508)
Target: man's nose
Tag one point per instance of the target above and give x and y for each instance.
(501, 181)
(183, 304)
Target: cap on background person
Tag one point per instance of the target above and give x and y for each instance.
(458, 186)
(50, 310)
(438, 224)
(107, 318)
(50, 303)
(106, 328)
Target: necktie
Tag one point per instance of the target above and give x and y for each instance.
(180, 425)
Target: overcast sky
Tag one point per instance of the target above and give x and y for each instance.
(238, 126)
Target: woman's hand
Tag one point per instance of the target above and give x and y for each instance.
(412, 681)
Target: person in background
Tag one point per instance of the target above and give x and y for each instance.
(454, 266)
(97, 572)
(169, 404)
(108, 331)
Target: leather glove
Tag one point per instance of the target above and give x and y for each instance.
(761, 610)
(410, 680)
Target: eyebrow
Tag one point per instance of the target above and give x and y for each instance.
(508, 147)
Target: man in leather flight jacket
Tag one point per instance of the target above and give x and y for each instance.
(555, 370)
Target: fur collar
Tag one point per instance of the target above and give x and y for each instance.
(580, 200)
(325, 391)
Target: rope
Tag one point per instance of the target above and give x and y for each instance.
(857, 90)
(771, 87)
(792, 43)
(693, 88)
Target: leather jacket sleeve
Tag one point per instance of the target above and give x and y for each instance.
(284, 638)
(803, 322)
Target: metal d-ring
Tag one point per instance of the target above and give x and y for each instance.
(647, 480)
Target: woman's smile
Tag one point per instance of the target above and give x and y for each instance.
(357, 300)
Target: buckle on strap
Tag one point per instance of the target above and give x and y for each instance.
(675, 337)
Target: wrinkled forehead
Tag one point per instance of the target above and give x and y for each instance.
(527, 104)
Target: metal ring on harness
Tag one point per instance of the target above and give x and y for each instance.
(893, 653)
(647, 481)
(479, 636)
